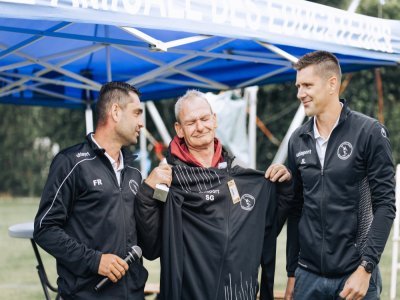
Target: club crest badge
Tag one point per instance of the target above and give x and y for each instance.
(247, 202)
(344, 150)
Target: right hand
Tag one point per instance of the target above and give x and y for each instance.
(289, 292)
(112, 266)
(278, 173)
(160, 174)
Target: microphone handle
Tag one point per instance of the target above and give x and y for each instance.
(102, 283)
(105, 280)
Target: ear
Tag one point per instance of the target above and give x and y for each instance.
(215, 120)
(332, 83)
(115, 112)
(178, 130)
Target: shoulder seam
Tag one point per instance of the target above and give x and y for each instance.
(135, 169)
(55, 196)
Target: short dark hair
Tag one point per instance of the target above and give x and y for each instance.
(114, 91)
(326, 62)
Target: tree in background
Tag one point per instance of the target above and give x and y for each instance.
(30, 136)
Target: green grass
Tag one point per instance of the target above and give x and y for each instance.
(19, 279)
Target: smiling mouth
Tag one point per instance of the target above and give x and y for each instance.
(201, 135)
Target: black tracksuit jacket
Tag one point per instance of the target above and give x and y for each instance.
(345, 209)
(83, 213)
(210, 247)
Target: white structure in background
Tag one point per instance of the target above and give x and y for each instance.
(396, 240)
(231, 130)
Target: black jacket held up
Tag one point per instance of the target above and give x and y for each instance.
(210, 247)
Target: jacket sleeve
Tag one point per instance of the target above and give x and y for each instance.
(148, 215)
(381, 179)
(54, 211)
(292, 209)
(285, 197)
(269, 248)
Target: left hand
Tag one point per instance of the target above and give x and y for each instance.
(356, 286)
(278, 172)
(289, 291)
(161, 174)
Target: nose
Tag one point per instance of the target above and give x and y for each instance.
(199, 125)
(300, 93)
(141, 122)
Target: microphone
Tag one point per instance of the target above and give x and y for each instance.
(133, 255)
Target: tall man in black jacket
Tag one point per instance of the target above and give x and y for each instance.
(86, 213)
(219, 222)
(344, 190)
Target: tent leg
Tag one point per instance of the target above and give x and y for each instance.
(89, 119)
(396, 240)
(251, 93)
(143, 146)
(155, 115)
(281, 154)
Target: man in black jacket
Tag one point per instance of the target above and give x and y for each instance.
(86, 214)
(219, 222)
(344, 190)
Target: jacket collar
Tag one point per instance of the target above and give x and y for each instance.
(129, 157)
(173, 160)
(308, 127)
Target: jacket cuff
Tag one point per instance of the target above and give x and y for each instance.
(145, 195)
(146, 190)
(285, 187)
(94, 268)
(369, 258)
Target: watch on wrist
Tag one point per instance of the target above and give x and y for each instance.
(368, 266)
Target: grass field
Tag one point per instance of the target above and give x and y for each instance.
(19, 280)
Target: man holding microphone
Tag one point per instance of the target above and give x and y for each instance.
(86, 213)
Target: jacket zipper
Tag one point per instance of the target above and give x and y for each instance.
(323, 208)
(227, 223)
(323, 202)
(123, 217)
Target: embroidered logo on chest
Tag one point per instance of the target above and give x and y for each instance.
(247, 202)
(302, 153)
(344, 150)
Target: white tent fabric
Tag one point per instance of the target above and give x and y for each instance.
(231, 130)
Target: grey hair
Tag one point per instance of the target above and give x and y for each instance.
(189, 95)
